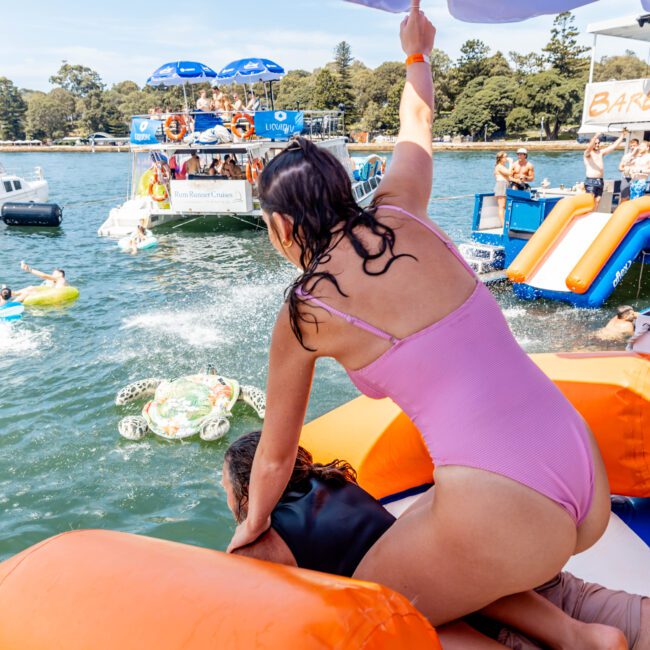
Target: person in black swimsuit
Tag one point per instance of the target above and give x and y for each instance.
(324, 521)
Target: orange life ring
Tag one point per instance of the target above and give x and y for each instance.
(158, 198)
(182, 127)
(250, 132)
(253, 169)
(383, 166)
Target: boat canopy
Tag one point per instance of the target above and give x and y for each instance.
(636, 28)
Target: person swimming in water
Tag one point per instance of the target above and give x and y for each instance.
(326, 522)
(384, 292)
(6, 296)
(55, 279)
(138, 236)
(620, 326)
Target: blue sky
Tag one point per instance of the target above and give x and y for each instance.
(127, 40)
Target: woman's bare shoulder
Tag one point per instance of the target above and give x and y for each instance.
(270, 547)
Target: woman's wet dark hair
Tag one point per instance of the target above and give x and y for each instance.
(239, 461)
(310, 185)
(5, 293)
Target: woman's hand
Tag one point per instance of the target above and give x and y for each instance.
(25, 267)
(244, 535)
(416, 32)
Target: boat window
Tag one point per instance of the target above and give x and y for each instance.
(8, 187)
(17, 185)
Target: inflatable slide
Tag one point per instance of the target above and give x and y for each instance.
(580, 256)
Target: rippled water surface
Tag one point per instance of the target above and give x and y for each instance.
(205, 295)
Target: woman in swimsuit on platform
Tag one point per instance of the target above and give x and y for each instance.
(385, 293)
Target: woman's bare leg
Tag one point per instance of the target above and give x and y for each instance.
(461, 636)
(540, 619)
(501, 203)
(471, 545)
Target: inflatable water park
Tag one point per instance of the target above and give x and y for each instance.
(68, 590)
(104, 589)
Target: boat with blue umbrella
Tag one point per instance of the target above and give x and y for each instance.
(250, 71)
(181, 73)
(195, 164)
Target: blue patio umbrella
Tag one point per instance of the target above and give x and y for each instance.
(181, 73)
(248, 71)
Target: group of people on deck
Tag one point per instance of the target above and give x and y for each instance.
(221, 102)
(508, 175)
(518, 490)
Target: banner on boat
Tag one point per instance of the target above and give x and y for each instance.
(279, 125)
(211, 196)
(143, 130)
(610, 105)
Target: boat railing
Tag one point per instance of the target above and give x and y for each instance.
(316, 124)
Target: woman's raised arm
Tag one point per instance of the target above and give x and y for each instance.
(291, 369)
(408, 180)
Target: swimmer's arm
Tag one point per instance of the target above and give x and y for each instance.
(40, 274)
(407, 182)
(270, 547)
(291, 370)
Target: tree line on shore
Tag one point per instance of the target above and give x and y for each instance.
(480, 94)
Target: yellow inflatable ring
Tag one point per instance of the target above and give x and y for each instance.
(44, 296)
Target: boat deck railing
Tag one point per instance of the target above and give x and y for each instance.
(317, 124)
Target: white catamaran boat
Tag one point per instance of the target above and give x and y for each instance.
(22, 190)
(163, 191)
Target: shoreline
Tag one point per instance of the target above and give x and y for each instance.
(557, 145)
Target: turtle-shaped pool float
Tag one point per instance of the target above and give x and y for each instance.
(183, 407)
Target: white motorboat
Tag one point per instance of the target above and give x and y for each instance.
(18, 189)
(162, 192)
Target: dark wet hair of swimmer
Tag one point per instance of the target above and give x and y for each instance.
(624, 311)
(238, 460)
(5, 293)
(61, 271)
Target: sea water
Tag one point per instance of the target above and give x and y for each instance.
(205, 295)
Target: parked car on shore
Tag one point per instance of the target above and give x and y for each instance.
(106, 139)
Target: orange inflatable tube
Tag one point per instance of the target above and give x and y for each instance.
(106, 590)
(610, 390)
(531, 256)
(610, 237)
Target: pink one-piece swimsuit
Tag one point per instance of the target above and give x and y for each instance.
(478, 399)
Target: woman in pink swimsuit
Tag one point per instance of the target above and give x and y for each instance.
(520, 485)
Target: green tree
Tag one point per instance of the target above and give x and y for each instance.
(519, 119)
(550, 96)
(12, 111)
(50, 116)
(472, 62)
(527, 64)
(77, 79)
(100, 114)
(497, 66)
(327, 90)
(295, 90)
(562, 51)
(627, 66)
(342, 63)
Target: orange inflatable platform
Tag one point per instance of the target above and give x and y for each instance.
(610, 390)
(100, 590)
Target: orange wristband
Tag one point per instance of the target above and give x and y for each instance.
(417, 58)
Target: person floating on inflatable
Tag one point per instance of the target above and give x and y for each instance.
(55, 280)
(326, 522)
(54, 290)
(520, 482)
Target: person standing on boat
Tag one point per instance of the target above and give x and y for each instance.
(625, 168)
(640, 171)
(384, 292)
(595, 165)
(203, 103)
(502, 178)
(523, 171)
